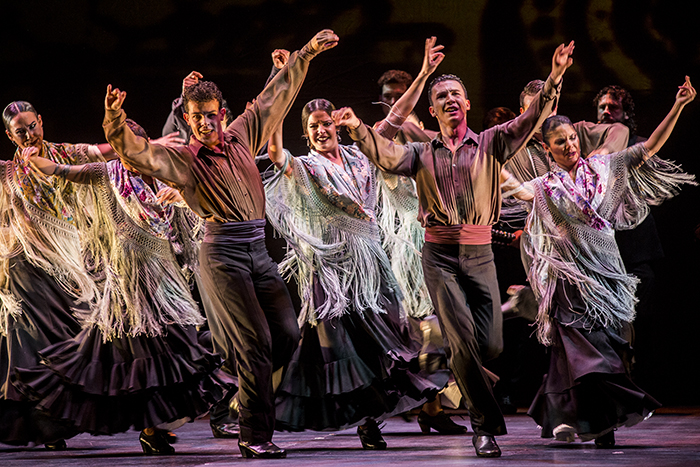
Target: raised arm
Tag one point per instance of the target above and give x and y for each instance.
(686, 93)
(400, 111)
(512, 136)
(383, 153)
(168, 164)
(275, 147)
(175, 121)
(255, 126)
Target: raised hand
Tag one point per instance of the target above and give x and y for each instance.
(280, 57)
(345, 117)
(686, 92)
(114, 98)
(321, 42)
(562, 60)
(432, 56)
(170, 140)
(43, 165)
(191, 79)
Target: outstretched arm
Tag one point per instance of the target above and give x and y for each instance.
(275, 147)
(404, 106)
(686, 93)
(73, 173)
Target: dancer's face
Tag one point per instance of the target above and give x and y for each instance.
(391, 92)
(322, 132)
(610, 110)
(204, 118)
(26, 130)
(450, 103)
(563, 144)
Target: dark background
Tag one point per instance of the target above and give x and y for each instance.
(60, 56)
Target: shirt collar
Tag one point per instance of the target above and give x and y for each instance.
(196, 146)
(469, 136)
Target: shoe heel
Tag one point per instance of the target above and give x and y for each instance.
(146, 448)
(246, 453)
(424, 428)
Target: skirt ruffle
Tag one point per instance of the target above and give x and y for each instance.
(353, 368)
(109, 387)
(45, 319)
(586, 386)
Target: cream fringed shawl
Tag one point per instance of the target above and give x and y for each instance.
(326, 213)
(403, 238)
(37, 220)
(132, 245)
(570, 231)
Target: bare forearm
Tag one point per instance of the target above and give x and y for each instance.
(275, 150)
(663, 131)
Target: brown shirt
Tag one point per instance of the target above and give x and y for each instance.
(461, 187)
(218, 186)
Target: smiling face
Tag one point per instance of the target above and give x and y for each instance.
(563, 145)
(26, 130)
(204, 118)
(321, 131)
(449, 103)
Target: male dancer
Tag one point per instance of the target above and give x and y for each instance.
(458, 182)
(218, 179)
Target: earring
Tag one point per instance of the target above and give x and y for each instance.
(306, 138)
(338, 133)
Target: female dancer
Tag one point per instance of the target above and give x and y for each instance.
(583, 290)
(357, 361)
(43, 280)
(137, 362)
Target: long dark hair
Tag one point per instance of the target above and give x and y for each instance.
(552, 123)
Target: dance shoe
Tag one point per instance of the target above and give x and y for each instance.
(59, 445)
(606, 441)
(371, 436)
(266, 450)
(485, 446)
(224, 430)
(156, 444)
(442, 423)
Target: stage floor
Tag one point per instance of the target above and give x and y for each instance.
(670, 438)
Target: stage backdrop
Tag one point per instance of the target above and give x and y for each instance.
(60, 55)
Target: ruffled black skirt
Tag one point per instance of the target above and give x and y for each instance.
(586, 386)
(109, 387)
(354, 368)
(45, 319)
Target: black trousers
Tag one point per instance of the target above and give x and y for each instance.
(256, 322)
(462, 283)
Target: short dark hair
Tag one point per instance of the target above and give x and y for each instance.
(202, 91)
(497, 116)
(395, 76)
(15, 108)
(620, 94)
(531, 89)
(440, 79)
(313, 106)
(552, 123)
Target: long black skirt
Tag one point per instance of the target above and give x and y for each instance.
(586, 386)
(136, 382)
(354, 368)
(45, 319)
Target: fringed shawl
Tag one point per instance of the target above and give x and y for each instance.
(326, 213)
(38, 220)
(570, 231)
(132, 244)
(402, 239)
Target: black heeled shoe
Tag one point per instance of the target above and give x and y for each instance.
(156, 444)
(442, 423)
(371, 436)
(59, 445)
(266, 450)
(606, 441)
